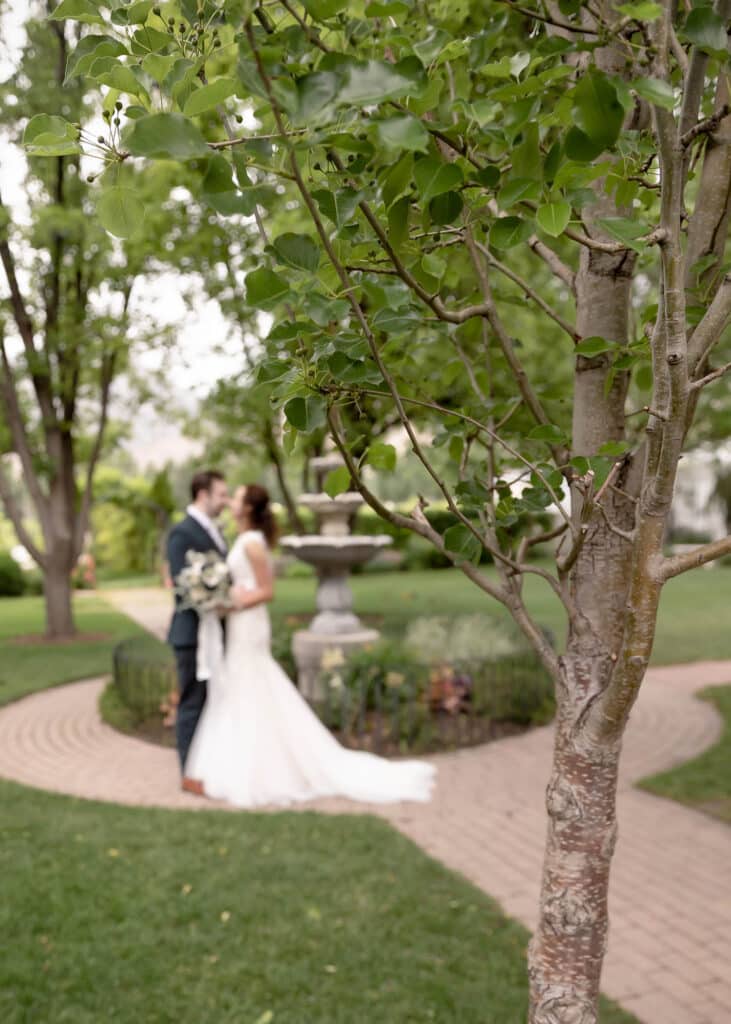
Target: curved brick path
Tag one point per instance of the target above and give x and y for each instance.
(668, 957)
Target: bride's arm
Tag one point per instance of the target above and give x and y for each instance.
(263, 592)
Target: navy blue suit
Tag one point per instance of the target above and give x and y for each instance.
(186, 536)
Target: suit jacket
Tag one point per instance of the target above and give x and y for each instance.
(186, 536)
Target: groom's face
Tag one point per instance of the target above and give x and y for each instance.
(217, 498)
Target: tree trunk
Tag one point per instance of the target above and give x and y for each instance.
(58, 592)
(567, 950)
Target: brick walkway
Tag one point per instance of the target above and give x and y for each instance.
(668, 957)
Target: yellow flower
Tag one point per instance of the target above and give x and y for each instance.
(332, 657)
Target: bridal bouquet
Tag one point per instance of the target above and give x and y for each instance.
(204, 583)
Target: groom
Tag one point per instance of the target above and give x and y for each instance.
(197, 532)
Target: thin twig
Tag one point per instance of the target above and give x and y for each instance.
(705, 127)
(529, 292)
(710, 377)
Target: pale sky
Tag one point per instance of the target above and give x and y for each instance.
(197, 367)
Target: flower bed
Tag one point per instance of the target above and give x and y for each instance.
(430, 684)
(446, 683)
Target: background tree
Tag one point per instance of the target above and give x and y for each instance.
(446, 156)
(65, 329)
(130, 519)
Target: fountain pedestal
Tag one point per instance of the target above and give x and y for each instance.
(333, 553)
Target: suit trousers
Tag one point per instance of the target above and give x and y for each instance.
(191, 701)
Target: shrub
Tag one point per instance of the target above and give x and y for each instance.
(33, 582)
(12, 578)
(443, 683)
(144, 674)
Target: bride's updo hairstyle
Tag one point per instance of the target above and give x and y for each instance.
(261, 517)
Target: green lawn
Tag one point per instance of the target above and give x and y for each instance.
(27, 667)
(704, 782)
(693, 621)
(148, 916)
(143, 916)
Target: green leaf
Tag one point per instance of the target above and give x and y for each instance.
(553, 218)
(398, 180)
(518, 190)
(90, 49)
(384, 10)
(614, 448)
(581, 148)
(209, 96)
(434, 265)
(322, 10)
(654, 90)
(403, 133)
(337, 481)
(593, 346)
(316, 95)
(706, 30)
(641, 11)
(120, 211)
(446, 208)
(158, 66)
(298, 251)
(375, 81)
(79, 10)
(49, 135)
(137, 13)
(108, 71)
(382, 456)
(394, 321)
(461, 541)
(624, 230)
(338, 206)
(597, 110)
(510, 231)
(489, 176)
(264, 288)
(433, 178)
(398, 221)
(305, 414)
(581, 464)
(643, 377)
(547, 432)
(166, 137)
(150, 40)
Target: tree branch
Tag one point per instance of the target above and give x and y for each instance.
(678, 564)
(14, 514)
(529, 292)
(553, 260)
(705, 127)
(709, 330)
(19, 435)
(524, 386)
(710, 377)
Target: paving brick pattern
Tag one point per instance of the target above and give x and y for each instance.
(670, 900)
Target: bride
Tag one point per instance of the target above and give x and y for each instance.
(258, 741)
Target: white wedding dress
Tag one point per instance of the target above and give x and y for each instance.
(259, 743)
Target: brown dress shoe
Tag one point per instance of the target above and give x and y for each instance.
(192, 786)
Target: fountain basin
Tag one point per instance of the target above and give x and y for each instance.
(330, 552)
(334, 513)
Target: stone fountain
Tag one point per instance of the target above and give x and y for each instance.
(333, 552)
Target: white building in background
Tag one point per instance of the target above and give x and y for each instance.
(695, 506)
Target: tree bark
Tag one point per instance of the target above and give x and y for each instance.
(567, 950)
(58, 593)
